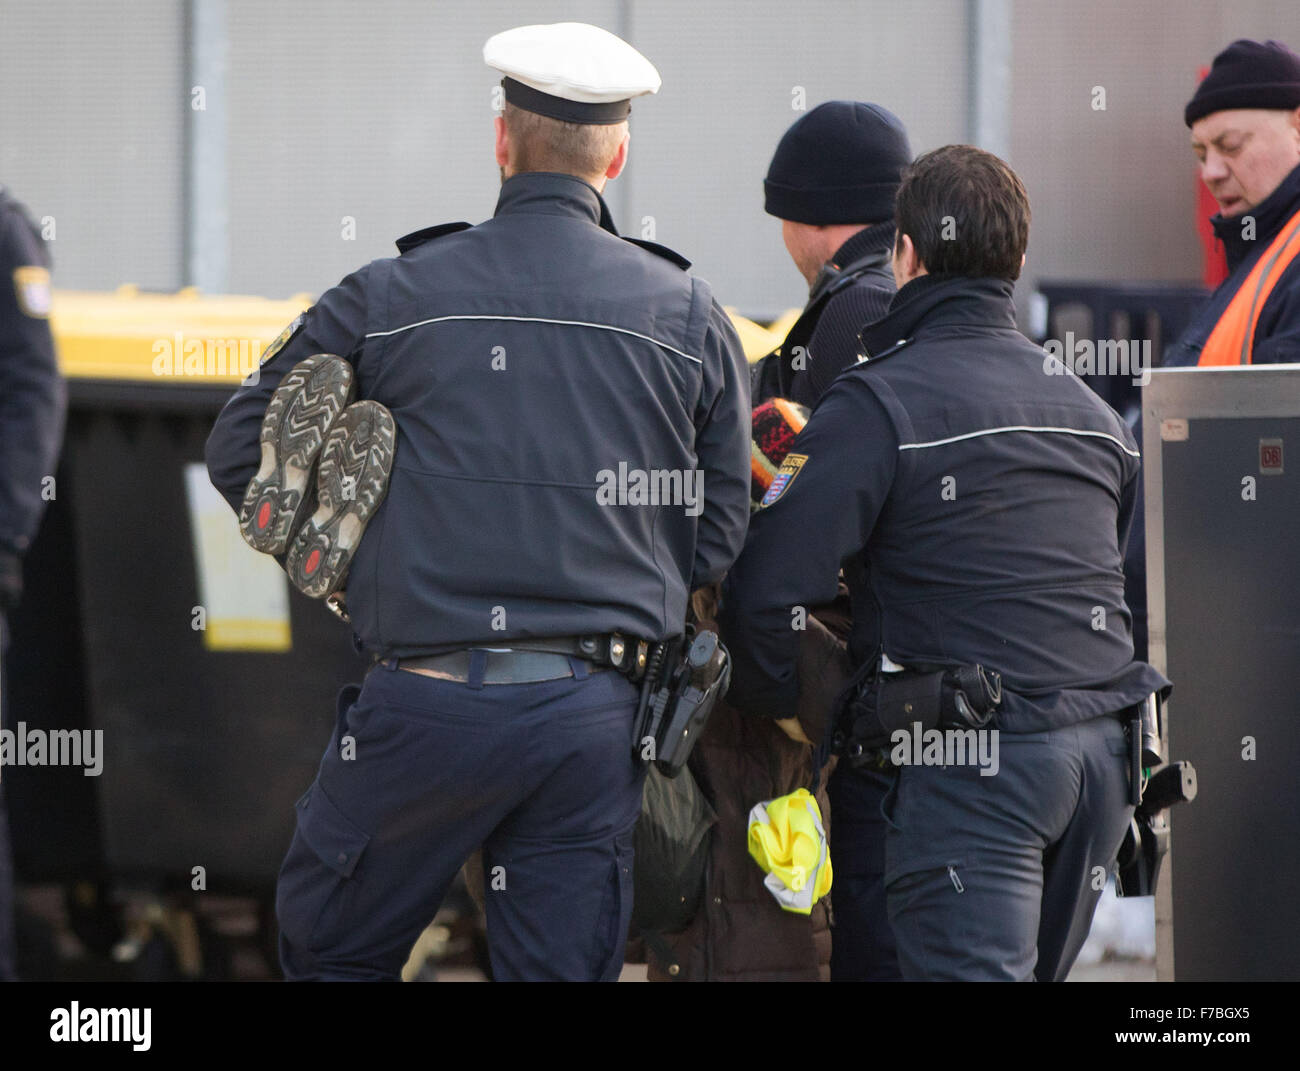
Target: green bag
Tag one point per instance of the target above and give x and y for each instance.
(673, 838)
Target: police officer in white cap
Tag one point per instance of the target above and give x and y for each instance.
(541, 372)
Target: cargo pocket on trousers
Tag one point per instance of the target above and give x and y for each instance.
(927, 883)
(347, 699)
(912, 846)
(615, 913)
(319, 875)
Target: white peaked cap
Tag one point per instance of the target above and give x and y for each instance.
(571, 71)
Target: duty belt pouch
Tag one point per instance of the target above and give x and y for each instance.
(964, 697)
(905, 699)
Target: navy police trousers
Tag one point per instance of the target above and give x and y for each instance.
(862, 941)
(8, 946)
(421, 772)
(997, 877)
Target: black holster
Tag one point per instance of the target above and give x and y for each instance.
(684, 681)
(876, 705)
(1154, 787)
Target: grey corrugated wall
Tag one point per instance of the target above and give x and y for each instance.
(1114, 191)
(380, 112)
(92, 112)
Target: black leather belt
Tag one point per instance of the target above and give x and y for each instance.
(613, 650)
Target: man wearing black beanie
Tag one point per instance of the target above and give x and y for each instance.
(832, 182)
(1245, 123)
(982, 507)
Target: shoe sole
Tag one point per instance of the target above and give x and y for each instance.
(302, 410)
(351, 482)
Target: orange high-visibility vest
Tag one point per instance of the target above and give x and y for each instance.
(1233, 337)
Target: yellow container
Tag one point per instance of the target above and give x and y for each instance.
(181, 338)
(188, 337)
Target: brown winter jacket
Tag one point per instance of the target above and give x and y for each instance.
(740, 933)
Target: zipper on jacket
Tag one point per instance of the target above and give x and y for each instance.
(956, 881)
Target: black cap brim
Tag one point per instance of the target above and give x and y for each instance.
(567, 111)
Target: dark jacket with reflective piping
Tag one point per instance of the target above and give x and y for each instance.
(1277, 334)
(33, 398)
(524, 361)
(988, 501)
(853, 290)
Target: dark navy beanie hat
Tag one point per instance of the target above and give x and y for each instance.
(840, 163)
(1248, 74)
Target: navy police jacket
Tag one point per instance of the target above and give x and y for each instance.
(572, 418)
(980, 497)
(33, 397)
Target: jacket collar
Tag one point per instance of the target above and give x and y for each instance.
(868, 248)
(1270, 216)
(929, 302)
(872, 239)
(550, 193)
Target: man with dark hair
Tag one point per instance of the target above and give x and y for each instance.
(983, 506)
(502, 592)
(831, 183)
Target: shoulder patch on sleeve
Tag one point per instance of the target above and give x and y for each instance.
(32, 288)
(659, 251)
(790, 468)
(417, 238)
(283, 338)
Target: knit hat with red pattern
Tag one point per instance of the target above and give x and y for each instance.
(776, 423)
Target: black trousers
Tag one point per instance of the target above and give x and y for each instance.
(8, 952)
(997, 877)
(862, 940)
(419, 774)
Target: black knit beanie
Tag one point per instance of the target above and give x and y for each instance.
(840, 163)
(1248, 74)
